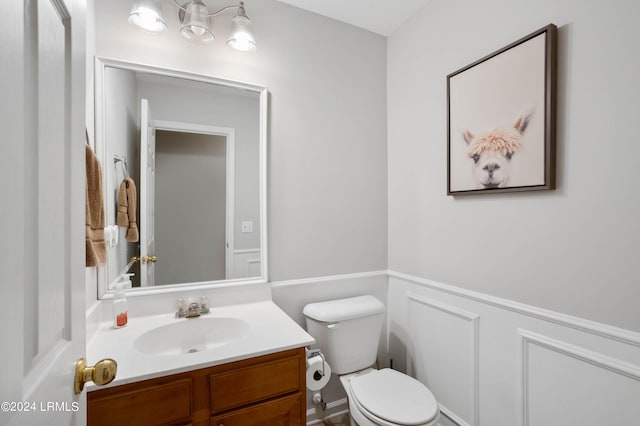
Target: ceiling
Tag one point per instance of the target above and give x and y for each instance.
(379, 16)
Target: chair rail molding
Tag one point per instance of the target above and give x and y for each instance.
(603, 330)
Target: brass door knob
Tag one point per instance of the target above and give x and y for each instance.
(149, 259)
(101, 374)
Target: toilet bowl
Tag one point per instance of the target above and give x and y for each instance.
(389, 398)
(348, 331)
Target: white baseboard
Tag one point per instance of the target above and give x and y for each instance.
(316, 415)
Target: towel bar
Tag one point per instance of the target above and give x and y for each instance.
(123, 160)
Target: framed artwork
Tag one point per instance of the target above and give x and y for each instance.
(501, 119)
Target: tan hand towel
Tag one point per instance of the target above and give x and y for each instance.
(94, 211)
(126, 217)
(122, 218)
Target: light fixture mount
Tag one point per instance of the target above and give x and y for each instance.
(183, 8)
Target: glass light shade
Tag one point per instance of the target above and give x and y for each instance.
(195, 26)
(241, 38)
(147, 15)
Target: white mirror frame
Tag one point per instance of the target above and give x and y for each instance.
(100, 133)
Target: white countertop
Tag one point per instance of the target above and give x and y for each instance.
(270, 330)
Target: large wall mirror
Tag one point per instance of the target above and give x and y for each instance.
(184, 171)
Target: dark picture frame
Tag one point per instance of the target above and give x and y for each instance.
(501, 118)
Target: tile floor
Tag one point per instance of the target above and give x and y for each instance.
(341, 420)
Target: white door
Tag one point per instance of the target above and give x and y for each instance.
(147, 195)
(42, 211)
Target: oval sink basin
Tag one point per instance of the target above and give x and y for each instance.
(191, 336)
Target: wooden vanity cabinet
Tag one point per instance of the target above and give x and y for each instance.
(266, 390)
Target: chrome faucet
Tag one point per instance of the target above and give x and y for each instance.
(193, 310)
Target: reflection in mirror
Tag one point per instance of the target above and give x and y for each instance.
(184, 165)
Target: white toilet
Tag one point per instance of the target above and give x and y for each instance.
(348, 332)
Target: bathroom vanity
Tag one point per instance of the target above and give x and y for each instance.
(254, 374)
(268, 389)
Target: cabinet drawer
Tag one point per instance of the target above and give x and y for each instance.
(254, 383)
(285, 411)
(154, 405)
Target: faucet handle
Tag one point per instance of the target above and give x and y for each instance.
(181, 308)
(204, 305)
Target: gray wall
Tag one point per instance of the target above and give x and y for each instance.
(210, 105)
(121, 138)
(573, 250)
(327, 125)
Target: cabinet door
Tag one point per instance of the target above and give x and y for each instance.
(286, 411)
(166, 403)
(255, 383)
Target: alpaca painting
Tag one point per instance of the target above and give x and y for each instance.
(492, 152)
(491, 149)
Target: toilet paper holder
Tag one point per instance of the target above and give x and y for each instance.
(315, 352)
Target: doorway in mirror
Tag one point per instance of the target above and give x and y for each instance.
(194, 171)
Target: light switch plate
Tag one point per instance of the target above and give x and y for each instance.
(247, 226)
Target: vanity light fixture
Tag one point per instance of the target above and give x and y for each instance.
(196, 22)
(147, 15)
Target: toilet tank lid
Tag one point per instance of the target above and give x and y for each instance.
(344, 309)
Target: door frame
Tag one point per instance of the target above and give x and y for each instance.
(146, 194)
(229, 133)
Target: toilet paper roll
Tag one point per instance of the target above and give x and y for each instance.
(315, 379)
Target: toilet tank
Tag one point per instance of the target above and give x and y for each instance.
(347, 331)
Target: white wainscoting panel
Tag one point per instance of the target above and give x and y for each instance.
(246, 263)
(563, 384)
(489, 361)
(533, 367)
(444, 355)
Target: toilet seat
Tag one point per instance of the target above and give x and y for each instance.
(388, 397)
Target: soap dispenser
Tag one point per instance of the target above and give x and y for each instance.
(120, 316)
